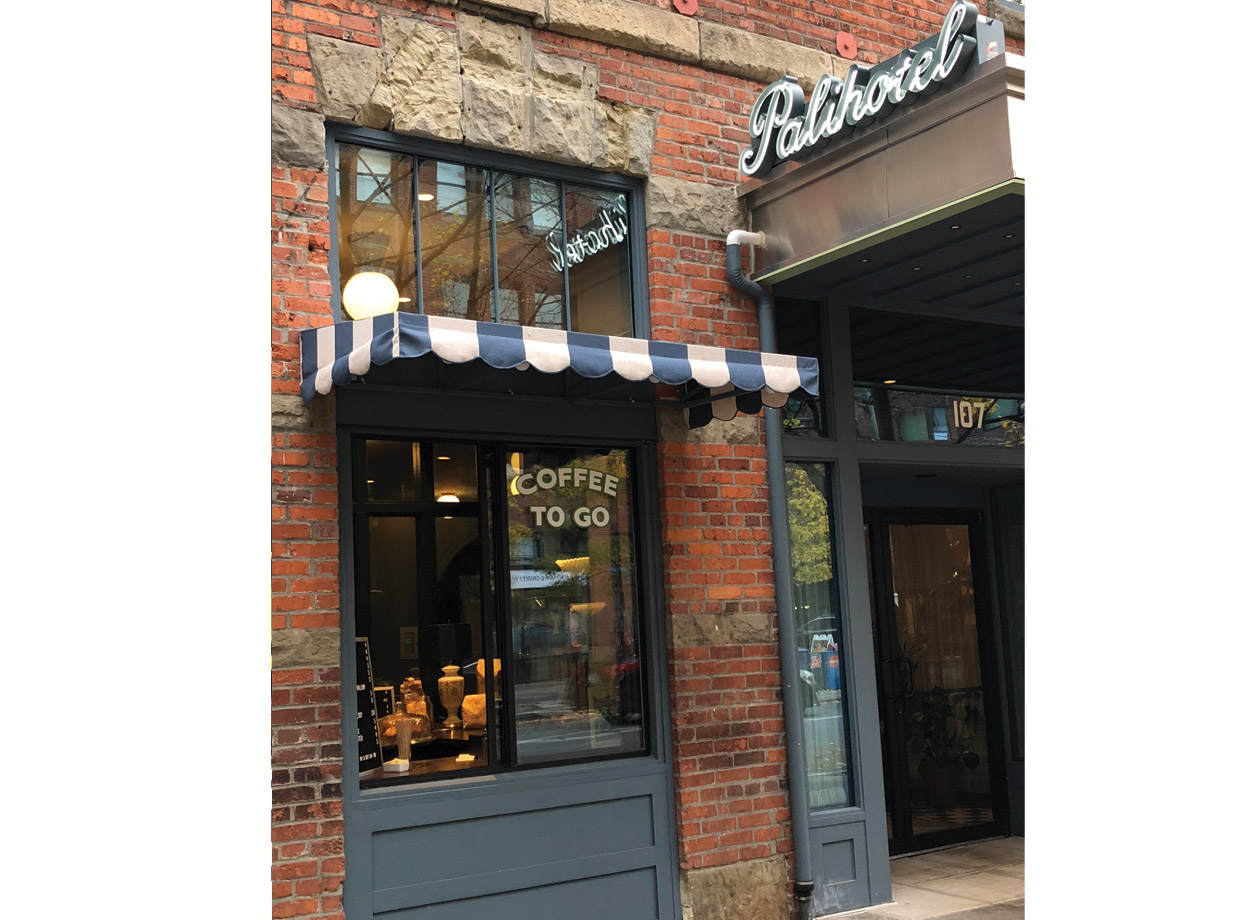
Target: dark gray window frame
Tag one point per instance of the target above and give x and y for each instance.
(468, 156)
(360, 413)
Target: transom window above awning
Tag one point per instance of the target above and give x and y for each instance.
(719, 381)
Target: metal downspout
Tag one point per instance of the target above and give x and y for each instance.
(803, 884)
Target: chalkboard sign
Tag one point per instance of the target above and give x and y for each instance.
(386, 698)
(368, 756)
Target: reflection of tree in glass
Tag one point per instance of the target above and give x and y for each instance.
(807, 521)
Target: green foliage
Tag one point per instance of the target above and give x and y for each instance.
(807, 522)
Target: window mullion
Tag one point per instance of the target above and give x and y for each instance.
(490, 174)
(565, 317)
(417, 228)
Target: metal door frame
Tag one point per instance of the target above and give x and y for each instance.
(877, 521)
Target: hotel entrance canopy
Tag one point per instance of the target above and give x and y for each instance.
(921, 211)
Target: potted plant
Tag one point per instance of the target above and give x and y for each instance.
(944, 754)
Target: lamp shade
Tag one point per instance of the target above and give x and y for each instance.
(370, 294)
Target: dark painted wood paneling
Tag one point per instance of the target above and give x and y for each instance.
(632, 895)
(525, 835)
(839, 854)
(458, 849)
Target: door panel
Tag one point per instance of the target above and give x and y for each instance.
(934, 677)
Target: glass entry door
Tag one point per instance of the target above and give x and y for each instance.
(934, 655)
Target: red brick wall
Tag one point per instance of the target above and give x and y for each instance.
(726, 713)
(307, 827)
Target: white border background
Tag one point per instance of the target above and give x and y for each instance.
(137, 459)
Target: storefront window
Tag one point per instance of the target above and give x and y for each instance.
(527, 216)
(597, 253)
(449, 644)
(455, 227)
(374, 216)
(484, 244)
(575, 634)
(820, 635)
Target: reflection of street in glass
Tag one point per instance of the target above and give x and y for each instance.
(825, 752)
(549, 726)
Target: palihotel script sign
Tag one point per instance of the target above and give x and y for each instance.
(783, 126)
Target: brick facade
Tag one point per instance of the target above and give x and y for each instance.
(729, 759)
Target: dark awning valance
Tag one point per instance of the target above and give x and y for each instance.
(737, 380)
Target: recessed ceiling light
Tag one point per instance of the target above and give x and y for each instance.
(863, 260)
(888, 381)
(968, 276)
(955, 226)
(1016, 284)
(1008, 236)
(916, 268)
(425, 196)
(370, 482)
(448, 497)
(445, 457)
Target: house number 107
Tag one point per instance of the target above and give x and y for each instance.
(968, 414)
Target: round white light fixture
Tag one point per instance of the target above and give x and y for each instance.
(370, 294)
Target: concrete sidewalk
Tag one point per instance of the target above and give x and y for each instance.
(974, 881)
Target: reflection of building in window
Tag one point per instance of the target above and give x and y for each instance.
(455, 299)
(509, 307)
(374, 177)
(450, 188)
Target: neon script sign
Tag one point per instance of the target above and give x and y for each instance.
(783, 126)
(609, 228)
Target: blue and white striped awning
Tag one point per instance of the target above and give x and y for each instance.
(736, 380)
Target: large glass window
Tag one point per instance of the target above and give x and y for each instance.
(575, 634)
(375, 215)
(820, 635)
(467, 603)
(482, 244)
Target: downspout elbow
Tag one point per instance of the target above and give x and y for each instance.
(736, 277)
(747, 238)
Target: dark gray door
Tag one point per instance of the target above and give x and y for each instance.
(942, 756)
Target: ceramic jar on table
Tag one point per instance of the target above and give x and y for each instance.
(451, 694)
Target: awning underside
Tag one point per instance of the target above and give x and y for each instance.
(734, 380)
